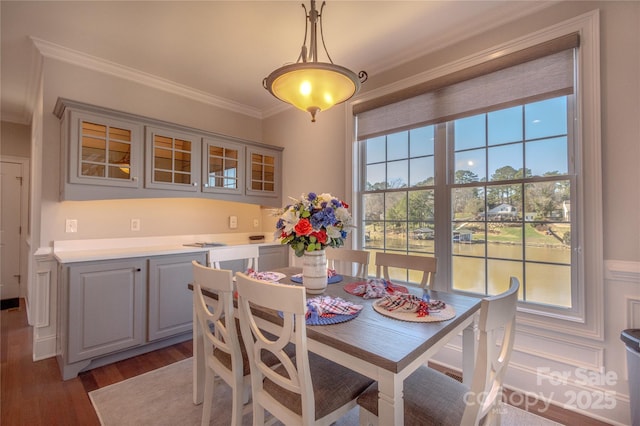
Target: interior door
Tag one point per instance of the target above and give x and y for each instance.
(10, 214)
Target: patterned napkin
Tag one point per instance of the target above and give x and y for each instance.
(265, 276)
(409, 303)
(327, 306)
(374, 288)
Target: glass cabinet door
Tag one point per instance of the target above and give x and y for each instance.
(222, 166)
(263, 174)
(104, 151)
(172, 160)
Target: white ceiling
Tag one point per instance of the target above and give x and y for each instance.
(221, 50)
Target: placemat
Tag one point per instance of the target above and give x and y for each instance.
(351, 287)
(330, 280)
(327, 320)
(442, 315)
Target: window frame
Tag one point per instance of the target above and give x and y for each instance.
(587, 320)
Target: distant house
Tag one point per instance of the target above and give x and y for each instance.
(502, 211)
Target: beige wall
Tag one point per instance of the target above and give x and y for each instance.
(15, 139)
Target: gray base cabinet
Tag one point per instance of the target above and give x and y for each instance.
(106, 308)
(273, 257)
(170, 300)
(114, 309)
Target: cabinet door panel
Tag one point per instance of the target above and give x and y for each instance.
(222, 166)
(170, 300)
(103, 150)
(172, 160)
(106, 308)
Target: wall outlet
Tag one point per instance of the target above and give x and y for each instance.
(256, 223)
(135, 224)
(71, 225)
(233, 222)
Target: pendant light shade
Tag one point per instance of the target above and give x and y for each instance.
(310, 85)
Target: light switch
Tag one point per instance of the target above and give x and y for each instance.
(233, 222)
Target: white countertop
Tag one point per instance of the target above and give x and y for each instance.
(72, 251)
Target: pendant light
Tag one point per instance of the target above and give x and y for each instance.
(310, 85)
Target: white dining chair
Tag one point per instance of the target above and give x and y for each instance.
(248, 253)
(433, 398)
(224, 351)
(343, 260)
(304, 389)
(425, 264)
(222, 347)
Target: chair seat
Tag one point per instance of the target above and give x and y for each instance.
(430, 398)
(333, 386)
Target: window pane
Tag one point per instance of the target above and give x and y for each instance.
(504, 203)
(546, 118)
(505, 125)
(397, 174)
(548, 242)
(470, 132)
(505, 162)
(373, 235)
(467, 203)
(504, 241)
(421, 141)
(373, 207)
(397, 146)
(421, 171)
(376, 176)
(395, 207)
(395, 235)
(376, 150)
(548, 201)
(548, 284)
(500, 272)
(468, 274)
(470, 166)
(547, 157)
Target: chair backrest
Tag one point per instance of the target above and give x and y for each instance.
(427, 265)
(337, 257)
(222, 254)
(293, 374)
(216, 317)
(496, 313)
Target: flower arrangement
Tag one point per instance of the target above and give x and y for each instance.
(314, 222)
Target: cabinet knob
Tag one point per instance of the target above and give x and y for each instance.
(195, 183)
(206, 185)
(134, 178)
(138, 269)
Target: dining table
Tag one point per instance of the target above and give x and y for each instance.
(378, 346)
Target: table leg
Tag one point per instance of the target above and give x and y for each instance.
(198, 361)
(468, 353)
(390, 402)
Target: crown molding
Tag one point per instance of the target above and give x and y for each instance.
(74, 57)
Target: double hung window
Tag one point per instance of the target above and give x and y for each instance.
(480, 170)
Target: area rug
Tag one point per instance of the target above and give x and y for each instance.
(164, 397)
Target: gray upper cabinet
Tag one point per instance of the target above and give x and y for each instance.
(222, 166)
(103, 151)
(264, 173)
(172, 160)
(108, 154)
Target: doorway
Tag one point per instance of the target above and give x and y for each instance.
(13, 213)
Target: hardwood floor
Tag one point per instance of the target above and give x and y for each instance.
(34, 394)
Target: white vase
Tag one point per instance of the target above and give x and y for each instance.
(314, 271)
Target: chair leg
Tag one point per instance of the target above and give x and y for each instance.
(209, 386)
(258, 414)
(237, 405)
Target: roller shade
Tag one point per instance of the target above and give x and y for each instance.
(539, 72)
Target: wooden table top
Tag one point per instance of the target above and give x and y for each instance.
(388, 343)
